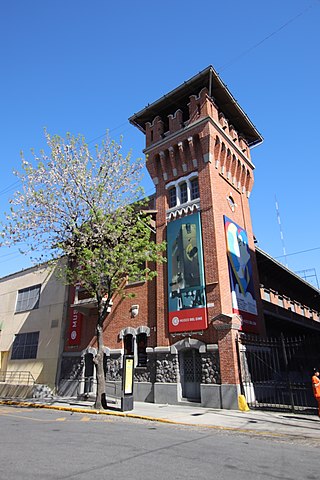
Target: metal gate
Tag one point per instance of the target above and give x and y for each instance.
(190, 374)
(276, 372)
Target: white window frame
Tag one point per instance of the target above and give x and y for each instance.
(189, 204)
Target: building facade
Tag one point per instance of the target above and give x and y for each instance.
(182, 327)
(33, 305)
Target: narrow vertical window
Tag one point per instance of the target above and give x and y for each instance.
(172, 197)
(128, 344)
(183, 193)
(194, 188)
(142, 349)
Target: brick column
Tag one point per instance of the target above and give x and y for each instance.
(227, 327)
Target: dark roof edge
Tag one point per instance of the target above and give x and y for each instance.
(208, 70)
(265, 254)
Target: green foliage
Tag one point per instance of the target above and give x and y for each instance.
(113, 248)
(85, 207)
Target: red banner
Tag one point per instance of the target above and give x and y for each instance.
(75, 323)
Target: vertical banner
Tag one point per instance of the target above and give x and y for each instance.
(186, 285)
(75, 322)
(240, 274)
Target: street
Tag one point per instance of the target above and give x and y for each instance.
(48, 444)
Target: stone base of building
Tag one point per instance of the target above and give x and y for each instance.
(143, 392)
(212, 396)
(165, 379)
(229, 396)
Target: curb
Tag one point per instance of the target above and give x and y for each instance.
(150, 419)
(89, 411)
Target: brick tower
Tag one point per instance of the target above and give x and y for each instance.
(198, 143)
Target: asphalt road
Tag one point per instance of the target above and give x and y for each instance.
(47, 444)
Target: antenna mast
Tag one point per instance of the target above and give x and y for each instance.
(281, 233)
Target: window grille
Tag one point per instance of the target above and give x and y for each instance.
(25, 346)
(194, 188)
(172, 197)
(183, 193)
(28, 298)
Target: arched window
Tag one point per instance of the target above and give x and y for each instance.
(128, 344)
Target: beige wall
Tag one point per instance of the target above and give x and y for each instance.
(47, 319)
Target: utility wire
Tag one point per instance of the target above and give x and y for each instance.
(296, 253)
(12, 186)
(256, 45)
(223, 67)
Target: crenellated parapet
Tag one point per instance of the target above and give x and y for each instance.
(200, 108)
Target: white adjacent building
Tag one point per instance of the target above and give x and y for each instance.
(33, 307)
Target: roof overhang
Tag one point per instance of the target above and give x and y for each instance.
(218, 91)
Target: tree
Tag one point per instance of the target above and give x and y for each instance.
(85, 207)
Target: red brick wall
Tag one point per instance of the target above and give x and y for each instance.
(224, 168)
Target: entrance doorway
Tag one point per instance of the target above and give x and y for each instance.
(88, 373)
(190, 374)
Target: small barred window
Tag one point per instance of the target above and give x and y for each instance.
(183, 193)
(194, 188)
(172, 197)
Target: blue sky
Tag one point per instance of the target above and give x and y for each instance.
(85, 67)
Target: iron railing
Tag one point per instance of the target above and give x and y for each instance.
(276, 372)
(17, 377)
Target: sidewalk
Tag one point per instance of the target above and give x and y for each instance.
(275, 424)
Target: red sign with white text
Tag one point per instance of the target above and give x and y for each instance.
(75, 323)
(188, 320)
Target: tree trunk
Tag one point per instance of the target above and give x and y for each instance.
(98, 360)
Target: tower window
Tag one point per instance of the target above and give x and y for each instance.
(194, 188)
(183, 193)
(172, 197)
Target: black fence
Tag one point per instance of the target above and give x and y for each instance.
(276, 372)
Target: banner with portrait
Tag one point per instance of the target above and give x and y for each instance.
(240, 274)
(186, 285)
